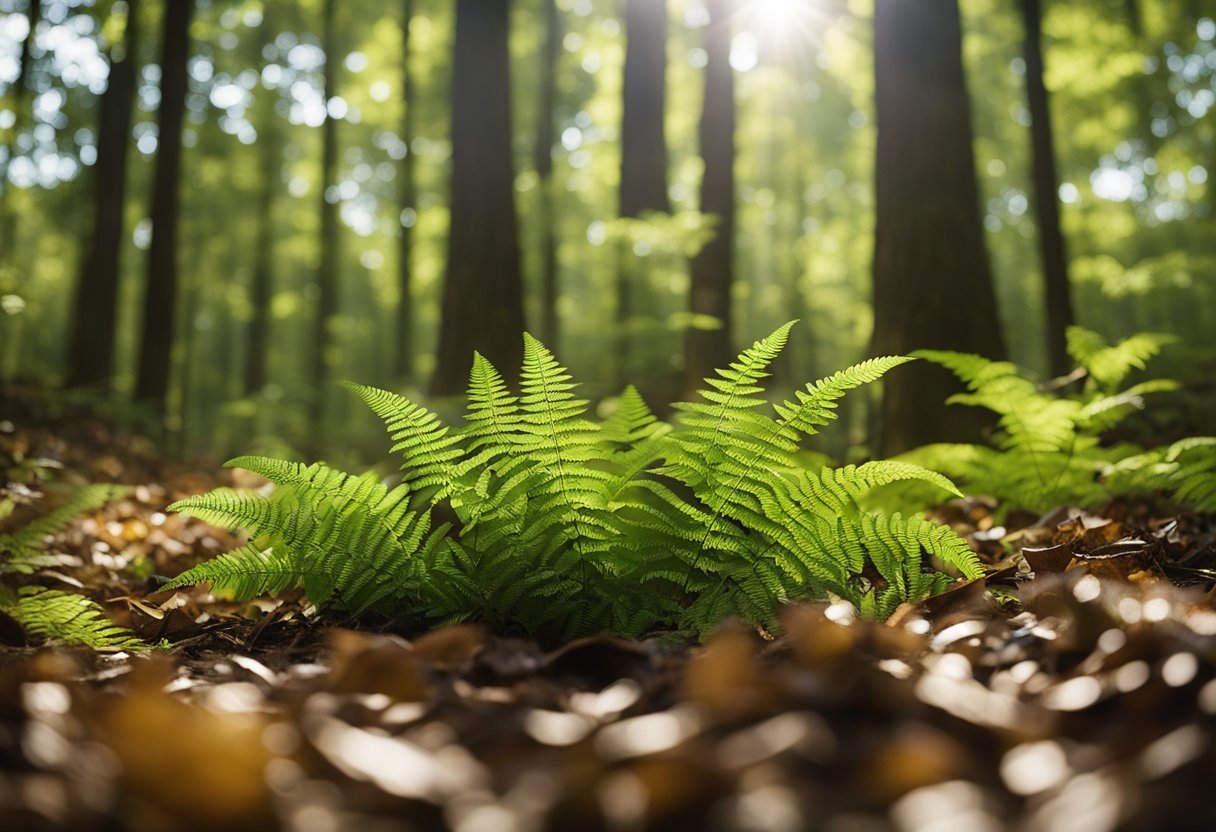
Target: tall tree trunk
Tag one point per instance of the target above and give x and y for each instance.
(327, 270)
(160, 300)
(403, 365)
(543, 161)
(1046, 200)
(482, 307)
(20, 86)
(643, 183)
(932, 283)
(262, 286)
(713, 267)
(91, 352)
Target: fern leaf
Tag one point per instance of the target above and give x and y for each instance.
(492, 417)
(428, 447)
(331, 533)
(1030, 420)
(244, 573)
(71, 619)
(21, 551)
(815, 405)
(1185, 471)
(1107, 364)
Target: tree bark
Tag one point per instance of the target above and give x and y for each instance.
(257, 351)
(95, 307)
(932, 283)
(482, 307)
(713, 267)
(160, 299)
(543, 162)
(1052, 252)
(327, 268)
(643, 185)
(643, 142)
(407, 197)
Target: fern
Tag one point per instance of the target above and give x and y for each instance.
(23, 551)
(1049, 450)
(565, 526)
(51, 614)
(70, 618)
(307, 533)
(1185, 470)
(1107, 365)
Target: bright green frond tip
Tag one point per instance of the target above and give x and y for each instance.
(566, 525)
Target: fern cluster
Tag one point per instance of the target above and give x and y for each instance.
(52, 614)
(1049, 448)
(1185, 470)
(559, 525)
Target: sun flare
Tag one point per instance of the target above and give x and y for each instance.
(785, 26)
(775, 13)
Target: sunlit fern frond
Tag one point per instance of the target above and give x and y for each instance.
(727, 450)
(1030, 420)
(633, 439)
(492, 418)
(23, 550)
(1050, 450)
(1108, 364)
(247, 572)
(338, 536)
(816, 405)
(69, 618)
(564, 527)
(557, 439)
(826, 539)
(1018, 478)
(429, 449)
(1184, 471)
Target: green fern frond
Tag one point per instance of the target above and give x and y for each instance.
(725, 441)
(566, 527)
(71, 619)
(631, 423)
(428, 448)
(1049, 451)
(1105, 412)
(1029, 419)
(50, 614)
(1108, 364)
(1185, 471)
(816, 404)
(340, 537)
(492, 418)
(244, 573)
(23, 551)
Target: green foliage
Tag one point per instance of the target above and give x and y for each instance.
(1185, 470)
(53, 614)
(70, 618)
(1048, 449)
(24, 549)
(563, 526)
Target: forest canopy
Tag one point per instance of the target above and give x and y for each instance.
(214, 210)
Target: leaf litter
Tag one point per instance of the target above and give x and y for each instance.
(1073, 687)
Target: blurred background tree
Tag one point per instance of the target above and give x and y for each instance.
(372, 195)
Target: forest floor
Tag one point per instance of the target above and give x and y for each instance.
(1073, 688)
